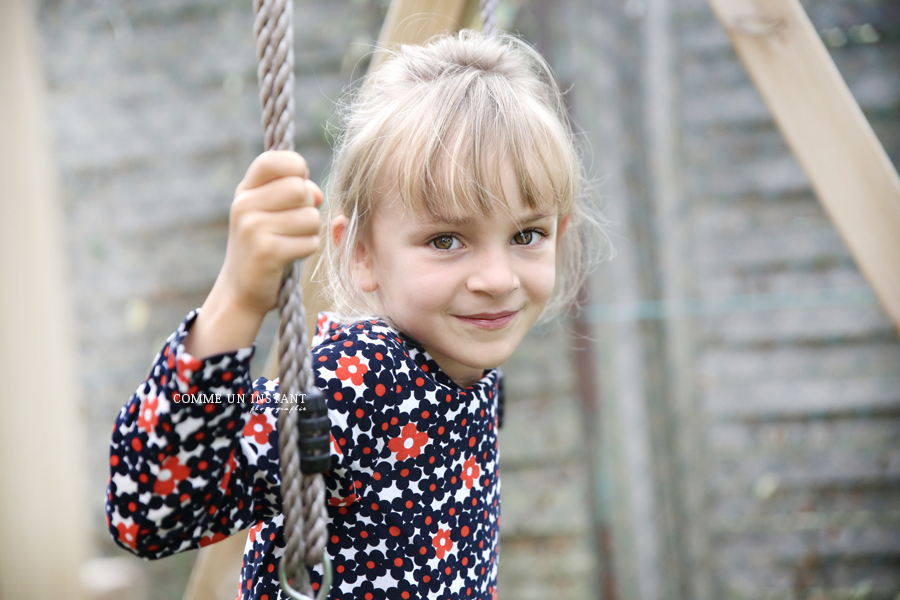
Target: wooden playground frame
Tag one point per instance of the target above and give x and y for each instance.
(781, 50)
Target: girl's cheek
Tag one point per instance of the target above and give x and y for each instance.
(543, 280)
(431, 273)
(430, 295)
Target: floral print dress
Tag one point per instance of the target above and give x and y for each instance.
(414, 490)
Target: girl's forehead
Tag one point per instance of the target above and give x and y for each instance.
(453, 195)
(392, 209)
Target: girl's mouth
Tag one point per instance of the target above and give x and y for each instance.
(489, 320)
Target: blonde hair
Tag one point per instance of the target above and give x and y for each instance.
(441, 120)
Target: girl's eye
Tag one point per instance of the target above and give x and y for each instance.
(528, 237)
(445, 242)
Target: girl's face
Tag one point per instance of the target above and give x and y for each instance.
(468, 291)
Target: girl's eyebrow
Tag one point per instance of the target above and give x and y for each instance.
(452, 221)
(538, 217)
(467, 220)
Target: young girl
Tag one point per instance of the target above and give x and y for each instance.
(455, 224)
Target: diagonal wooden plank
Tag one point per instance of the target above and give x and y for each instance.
(216, 572)
(417, 21)
(826, 130)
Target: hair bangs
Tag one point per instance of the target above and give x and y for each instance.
(448, 164)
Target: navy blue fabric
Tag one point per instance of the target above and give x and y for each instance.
(413, 495)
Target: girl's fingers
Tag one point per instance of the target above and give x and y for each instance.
(318, 194)
(293, 222)
(273, 165)
(280, 194)
(291, 248)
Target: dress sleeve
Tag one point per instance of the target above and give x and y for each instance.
(191, 460)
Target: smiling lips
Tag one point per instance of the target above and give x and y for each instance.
(489, 320)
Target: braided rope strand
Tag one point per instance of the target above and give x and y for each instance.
(274, 31)
(291, 346)
(489, 16)
(314, 526)
(303, 497)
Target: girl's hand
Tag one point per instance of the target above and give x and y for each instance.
(273, 221)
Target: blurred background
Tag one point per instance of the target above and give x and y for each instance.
(721, 421)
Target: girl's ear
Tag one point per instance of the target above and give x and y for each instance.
(365, 273)
(362, 260)
(338, 225)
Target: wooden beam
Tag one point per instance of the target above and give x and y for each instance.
(417, 21)
(826, 130)
(217, 571)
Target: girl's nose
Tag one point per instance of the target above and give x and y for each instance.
(493, 275)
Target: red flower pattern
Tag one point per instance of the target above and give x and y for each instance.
(254, 531)
(258, 428)
(216, 462)
(351, 368)
(147, 418)
(470, 472)
(345, 501)
(187, 366)
(441, 542)
(409, 443)
(128, 534)
(170, 473)
(230, 466)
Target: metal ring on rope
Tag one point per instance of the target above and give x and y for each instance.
(302, 488)
(295, 595)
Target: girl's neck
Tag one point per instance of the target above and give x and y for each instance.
(463, 376)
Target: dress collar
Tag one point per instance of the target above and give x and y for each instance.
(329, 324)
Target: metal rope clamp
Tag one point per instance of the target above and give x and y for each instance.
(315, 434)
(314, 428)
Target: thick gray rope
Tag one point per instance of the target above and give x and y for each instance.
(274, 29)
(489, 16)
(303, 497)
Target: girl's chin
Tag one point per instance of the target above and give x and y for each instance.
(477, 362)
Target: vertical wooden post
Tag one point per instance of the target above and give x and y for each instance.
(43, 519)
(684, 473)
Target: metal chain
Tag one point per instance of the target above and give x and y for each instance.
(489, 16)
(303, 496)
